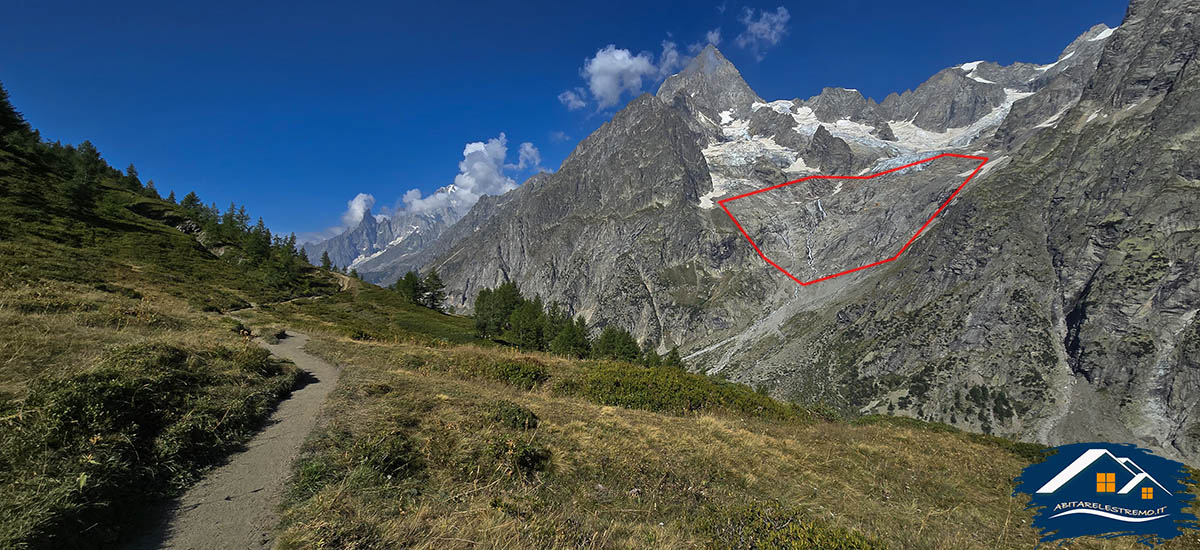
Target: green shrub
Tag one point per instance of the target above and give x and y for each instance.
(118, 289)
(82, 451)
(771, 527)
(671, 390)
(524, 374)
(1033, 452)
(391, 453)
(514, 416)
(272, 335)
(520, 456)
(255, 360)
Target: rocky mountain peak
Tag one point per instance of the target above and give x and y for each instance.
(713, 86)
(368, 220)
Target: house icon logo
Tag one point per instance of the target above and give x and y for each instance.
(1107, 490)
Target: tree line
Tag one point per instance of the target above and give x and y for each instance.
(503, 313)
(83, 174)
(428, 291)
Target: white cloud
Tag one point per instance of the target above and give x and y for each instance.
(764, 32)
(480, 172)
(573, 99)
(559, 135)
(670, 60)
(355, 208)
(614, 71)
(711, 37)
(529, 157)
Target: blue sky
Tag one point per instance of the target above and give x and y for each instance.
(294, 109)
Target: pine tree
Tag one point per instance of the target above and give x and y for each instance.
(241, 220)
(572, 340)
(304, 256)
(525, 326)
(326, 263)
(650, 357)
(257, 243)
(11, 120)
(411, 288)
(131, 179)
(171, 197)
(354, 273)
(150, 191)
(616, 343)
(673, 359)
(191, 203)
(84, 185)
(556, 320)
(434, 291)
(484, 311)
(228, 225)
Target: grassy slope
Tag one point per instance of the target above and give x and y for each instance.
(420, 450)
(115, 386)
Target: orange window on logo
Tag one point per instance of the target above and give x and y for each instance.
(1147, 492)
(1106, 483)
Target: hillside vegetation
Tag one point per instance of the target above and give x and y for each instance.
(120, 382)
(429, 443)
(127, 367)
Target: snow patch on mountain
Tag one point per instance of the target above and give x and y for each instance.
(1103, 34)
(1050, 66)
(783, 106)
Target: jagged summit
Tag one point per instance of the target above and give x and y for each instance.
(712, 85)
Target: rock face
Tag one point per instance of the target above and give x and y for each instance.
(713, 85)
(382, 248)
(363, 239)
(594, 235)
(1054, 300)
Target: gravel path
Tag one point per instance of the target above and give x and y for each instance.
(235, 506)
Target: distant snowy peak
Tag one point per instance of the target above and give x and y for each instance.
(963, 107)
(711, 85)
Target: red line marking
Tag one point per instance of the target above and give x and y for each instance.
(983, 161)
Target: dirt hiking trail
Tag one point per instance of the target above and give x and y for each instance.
(235, 506)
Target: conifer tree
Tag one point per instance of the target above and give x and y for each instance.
(572, 340)
(257, 243)
(650, 357)
(191, 202)
(434, 291)
(131, 179)
(11, 120)
(150, 191)
(491, 318)
(84, 184)
(616, 343)
(525, 326)
(673, 359)
(411, 288)
(326, 263)
(484, 308)
(171, 197)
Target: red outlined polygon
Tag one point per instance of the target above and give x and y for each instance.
(982, 161)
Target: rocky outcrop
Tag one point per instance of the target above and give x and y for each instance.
(832, 155)
(713, 85)
(1055, 299)
(602, 233)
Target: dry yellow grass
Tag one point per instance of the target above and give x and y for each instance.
(623, 478)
